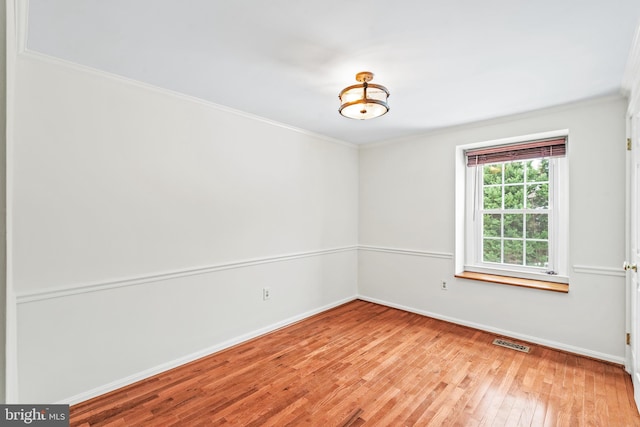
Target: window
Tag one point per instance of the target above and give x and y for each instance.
(515, 208)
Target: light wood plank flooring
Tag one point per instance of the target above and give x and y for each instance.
(366, 364)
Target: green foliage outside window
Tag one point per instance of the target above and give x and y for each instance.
(537, 253)
(513, 252)
(514, 197)
(492, 197)
(492, 225)
(492, 174)
(538, 226)
(538, 196)
(492, 250)
(513, 173)
(513, 225)
(538, 171)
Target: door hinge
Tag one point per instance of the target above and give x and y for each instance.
(628, 338)
(629, 145)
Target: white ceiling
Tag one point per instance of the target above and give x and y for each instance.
(445, 62)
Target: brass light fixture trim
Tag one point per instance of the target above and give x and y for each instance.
(365, 100)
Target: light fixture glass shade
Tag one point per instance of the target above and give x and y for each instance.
(364, 101)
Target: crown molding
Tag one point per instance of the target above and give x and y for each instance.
(37, 56)
(21, 23)
(631, 78)
(586, 102)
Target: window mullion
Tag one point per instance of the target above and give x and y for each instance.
(502, 215)
(551, 218)
(525, 204)
(478, 211)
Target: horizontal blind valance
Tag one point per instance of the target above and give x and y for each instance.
(556, 147)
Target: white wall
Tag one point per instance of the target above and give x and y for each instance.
(407, 202)
(146, 225)
(3, 228)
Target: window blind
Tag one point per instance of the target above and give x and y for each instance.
(556, 147)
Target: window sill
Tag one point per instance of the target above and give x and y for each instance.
(515, 281)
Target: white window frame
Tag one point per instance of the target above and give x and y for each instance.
(469, 234)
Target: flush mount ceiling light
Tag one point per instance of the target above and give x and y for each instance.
(365, 100)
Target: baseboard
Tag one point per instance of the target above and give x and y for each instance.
(503, 332)
(114, 385)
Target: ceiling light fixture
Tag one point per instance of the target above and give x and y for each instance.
(365, 100)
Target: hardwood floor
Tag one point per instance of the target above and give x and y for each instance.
(366, 364)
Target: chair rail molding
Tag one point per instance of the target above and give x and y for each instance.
(69, 290)
(401, 251)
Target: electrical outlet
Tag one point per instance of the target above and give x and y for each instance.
(266, 293)
(443, 286)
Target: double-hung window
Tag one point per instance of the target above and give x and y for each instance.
(515, 209)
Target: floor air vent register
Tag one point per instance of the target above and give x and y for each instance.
(511, 345)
